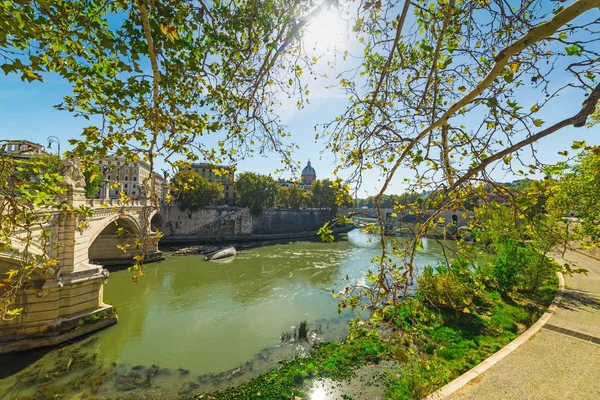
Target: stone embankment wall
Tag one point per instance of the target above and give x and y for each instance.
(227, 221)
(288, 221)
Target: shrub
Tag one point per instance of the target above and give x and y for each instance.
(536, 272)
(519, 266)
(443, 289)
(505, 267)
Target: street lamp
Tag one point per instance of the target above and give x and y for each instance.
(54, 139)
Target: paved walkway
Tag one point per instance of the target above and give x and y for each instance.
(562, 361)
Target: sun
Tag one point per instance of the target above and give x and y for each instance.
(327, 31)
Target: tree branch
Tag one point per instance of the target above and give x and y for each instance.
(386, 67)
(578, 120)
(536, 34)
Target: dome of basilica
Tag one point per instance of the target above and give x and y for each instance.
(308, 174)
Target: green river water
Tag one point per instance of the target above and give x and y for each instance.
(203, 325)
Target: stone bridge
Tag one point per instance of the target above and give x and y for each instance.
(55, 301)
(456, 217)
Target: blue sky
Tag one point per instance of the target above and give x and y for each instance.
(26, 113)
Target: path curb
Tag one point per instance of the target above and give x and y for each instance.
(446, 391)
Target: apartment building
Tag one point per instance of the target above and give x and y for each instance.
(209, 171)
(131, 178)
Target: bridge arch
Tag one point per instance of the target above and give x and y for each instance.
(113, 241)
(9, 260)
(127, 221)
(157, 222)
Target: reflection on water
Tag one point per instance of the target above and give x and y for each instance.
(193, 320)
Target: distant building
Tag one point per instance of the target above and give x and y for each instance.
(309, 175)
(286, 184)
(208, 171)
(497, 198)
(21, 149)
(131, 176)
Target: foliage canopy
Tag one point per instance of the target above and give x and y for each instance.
(255, 191)
(190, 191)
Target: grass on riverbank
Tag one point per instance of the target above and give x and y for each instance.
(439, 345)
(457, 342)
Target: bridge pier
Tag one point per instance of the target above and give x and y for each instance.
(56, 310)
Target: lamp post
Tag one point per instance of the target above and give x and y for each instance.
(54, 139)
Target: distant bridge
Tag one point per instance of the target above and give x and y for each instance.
(456, 217)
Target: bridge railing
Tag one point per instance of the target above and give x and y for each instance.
(102, 203)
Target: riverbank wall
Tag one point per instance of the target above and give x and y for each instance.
(232, 224)
(237, 239)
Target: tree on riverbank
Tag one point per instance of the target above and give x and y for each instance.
(190, 191)
(330, 195)
(255, 191)
(451, 93)
(292, 197)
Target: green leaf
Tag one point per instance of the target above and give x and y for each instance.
(573, 50)
(447, 62)
(513, 105)
(30, 76)
(14, 311)
(538, 122)
(358, 25)
(7, 68)
(509, 77)
(578, 144)
(590, 76)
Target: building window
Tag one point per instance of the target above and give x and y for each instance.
(126, 178)
(135, 178)
(108, 177)
(125, 186)
(118, 162)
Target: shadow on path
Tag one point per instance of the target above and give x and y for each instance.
(578, 300)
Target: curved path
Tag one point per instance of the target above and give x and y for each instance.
(562, 361)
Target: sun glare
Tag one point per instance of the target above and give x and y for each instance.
(326, 31)
(318, 394)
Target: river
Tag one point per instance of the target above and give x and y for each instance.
(203, 325)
